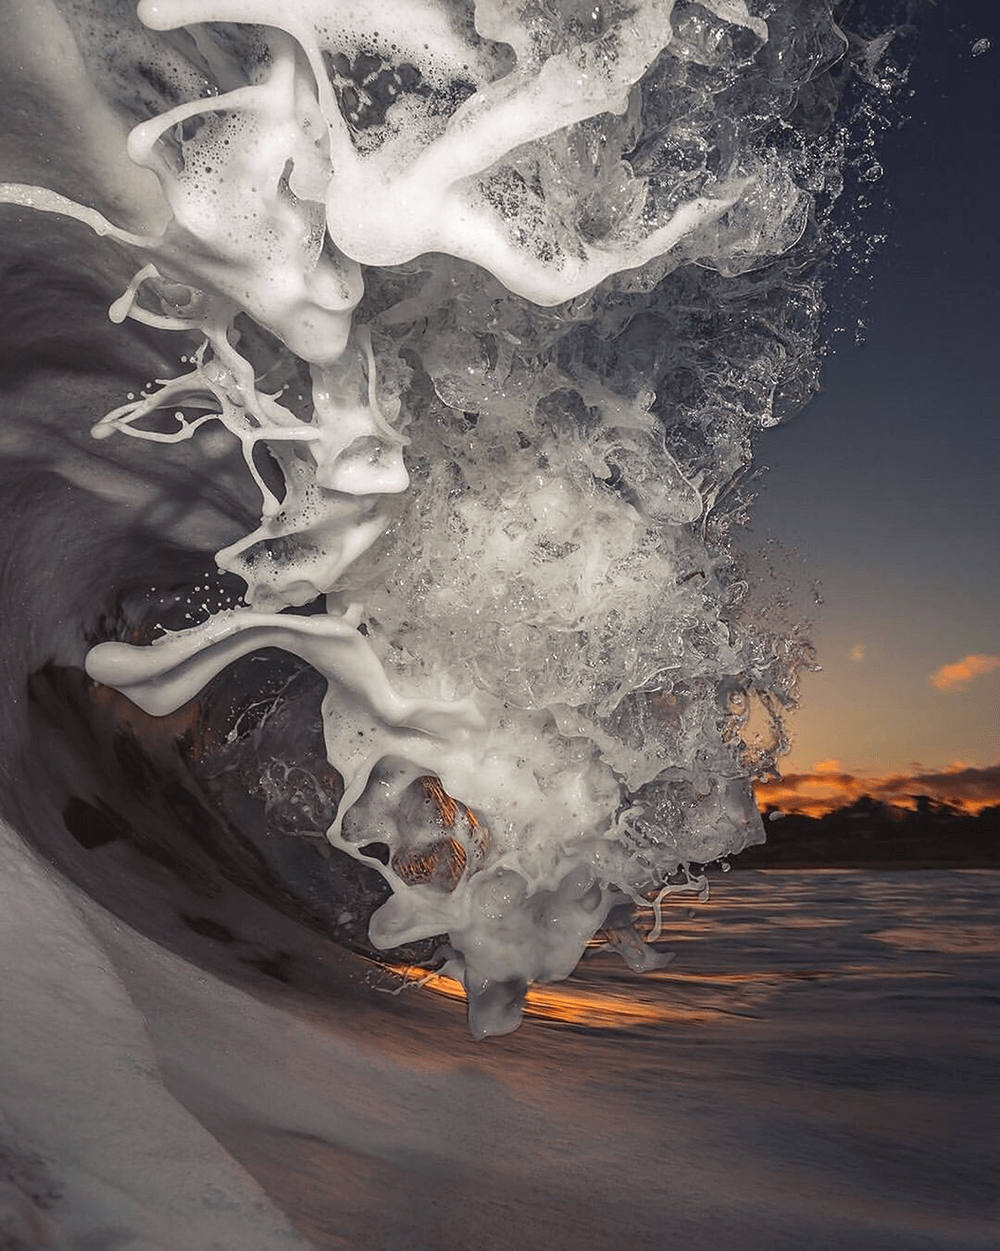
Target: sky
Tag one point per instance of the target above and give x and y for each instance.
(886, 488)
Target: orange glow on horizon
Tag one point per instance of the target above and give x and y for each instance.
(829, 786)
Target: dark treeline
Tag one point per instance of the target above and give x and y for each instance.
(933, 835)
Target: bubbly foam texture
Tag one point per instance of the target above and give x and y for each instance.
(512, 464)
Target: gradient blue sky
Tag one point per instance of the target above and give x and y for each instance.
(887, 486)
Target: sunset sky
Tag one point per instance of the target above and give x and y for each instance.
(886, 489)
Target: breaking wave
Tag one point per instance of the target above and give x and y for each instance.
(455, 323)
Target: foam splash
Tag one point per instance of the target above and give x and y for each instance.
(533, 276)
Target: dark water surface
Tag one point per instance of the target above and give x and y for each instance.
(817, 1068)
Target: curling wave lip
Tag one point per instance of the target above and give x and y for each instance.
(546, 616)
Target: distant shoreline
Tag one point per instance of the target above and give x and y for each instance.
(871, 835)
(737, 863)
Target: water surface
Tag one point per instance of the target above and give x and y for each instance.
(817, 1068)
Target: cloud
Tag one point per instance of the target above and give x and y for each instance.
(828, 766)
(828, 786)
(957, 676)
(857, 653)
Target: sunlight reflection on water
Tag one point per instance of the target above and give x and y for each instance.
(764, 934)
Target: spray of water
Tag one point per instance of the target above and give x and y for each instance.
(490, 298)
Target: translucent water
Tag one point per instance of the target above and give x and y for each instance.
(488, 301)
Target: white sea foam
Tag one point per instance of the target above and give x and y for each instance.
(510, 465)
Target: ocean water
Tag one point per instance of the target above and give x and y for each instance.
(816, 1068)
(198, 1050)
(436, 348)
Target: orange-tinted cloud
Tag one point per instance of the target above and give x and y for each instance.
(957, 676)
(828, 786)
